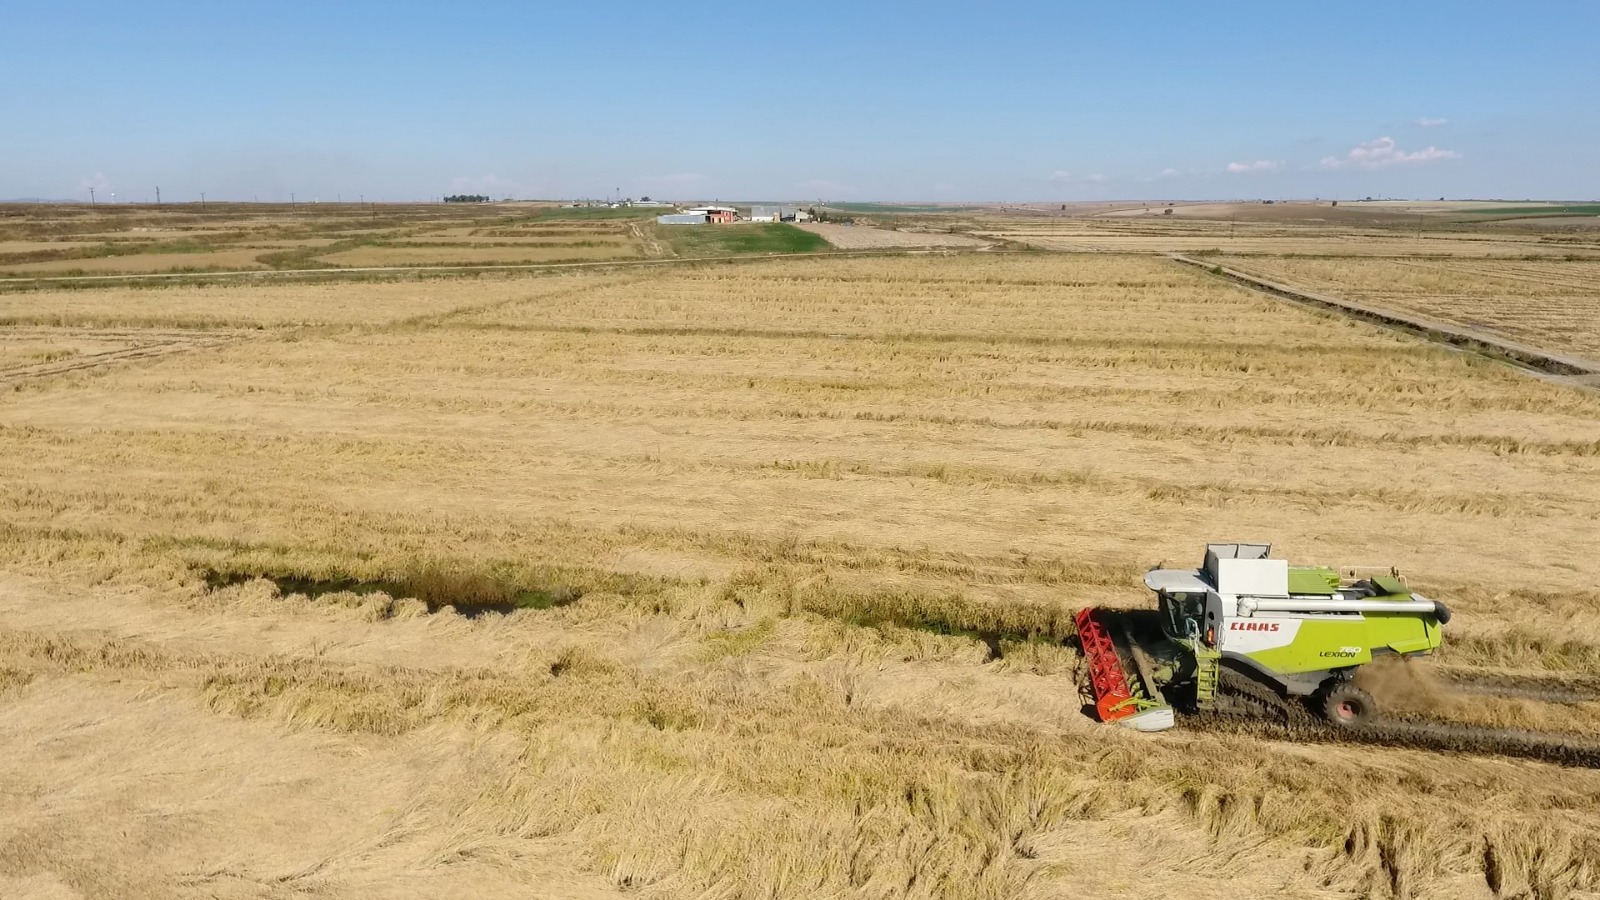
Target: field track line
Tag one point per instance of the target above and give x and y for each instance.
(1567, 369)
(1572, 750)
(95, 360)
(246, 274)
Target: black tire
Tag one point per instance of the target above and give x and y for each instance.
(1344, 705)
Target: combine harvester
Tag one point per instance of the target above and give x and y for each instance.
(1246, 634)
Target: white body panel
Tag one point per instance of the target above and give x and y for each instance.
(1158, 719)
(1176, 581)
(1262, 577)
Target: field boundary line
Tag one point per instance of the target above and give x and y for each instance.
(1571, 369)
(246, 274)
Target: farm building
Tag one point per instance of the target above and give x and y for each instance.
(778, 214)
(699, 215)
(717, 215)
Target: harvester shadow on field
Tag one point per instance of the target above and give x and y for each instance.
(471, 595)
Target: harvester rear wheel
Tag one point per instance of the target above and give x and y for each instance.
(1346, 706)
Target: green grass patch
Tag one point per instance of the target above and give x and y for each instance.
(715, 240)
(1543, 209)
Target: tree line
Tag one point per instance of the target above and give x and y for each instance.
(466, 198)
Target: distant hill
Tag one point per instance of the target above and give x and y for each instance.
(37, 200)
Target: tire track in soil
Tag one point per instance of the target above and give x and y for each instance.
(1270, 716)
(1437, 737)
(172, 345)
(1522, 687)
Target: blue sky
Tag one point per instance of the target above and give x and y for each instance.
(820, 100)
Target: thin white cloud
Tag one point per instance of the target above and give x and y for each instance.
(1260, 165)
(98, 181)
(1163, 175)
(1062, 176)
(1426, 122)
(1382, 153)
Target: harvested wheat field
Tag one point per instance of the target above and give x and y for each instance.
(1307, 235)
(452, 255)
(55, 242)
(754, 581)
(151, 262)
(248, 305)
(1549, 303)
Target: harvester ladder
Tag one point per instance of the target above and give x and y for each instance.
(1207, 671)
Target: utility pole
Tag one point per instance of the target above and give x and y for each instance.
(91, 196)
(158, 195)
(202, 199)
(291, 198)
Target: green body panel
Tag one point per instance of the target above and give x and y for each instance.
(1392, 586)
(1335, 642)
(1312, 580)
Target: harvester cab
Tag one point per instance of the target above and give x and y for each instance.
(1248, 633)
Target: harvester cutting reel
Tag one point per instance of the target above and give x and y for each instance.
(1246, 634)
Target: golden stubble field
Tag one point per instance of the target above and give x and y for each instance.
(1548, 303)
(748, 581)
(1304, 232)
(44, 241)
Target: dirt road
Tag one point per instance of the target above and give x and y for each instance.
(865, 237)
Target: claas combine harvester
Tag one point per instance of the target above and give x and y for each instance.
(1247, 634)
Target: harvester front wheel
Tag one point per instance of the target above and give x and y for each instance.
(1346, 706)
